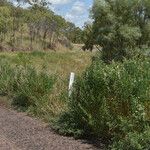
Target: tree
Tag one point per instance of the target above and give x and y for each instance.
(88, 38)
(35, 2)
(120, 26)
(35, 26)
(5, 21)
(73, 33)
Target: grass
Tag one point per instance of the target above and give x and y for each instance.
(56, 64)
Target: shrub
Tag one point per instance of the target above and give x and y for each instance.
(133, 141)
(110, 101)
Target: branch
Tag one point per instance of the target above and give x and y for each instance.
(32, 2)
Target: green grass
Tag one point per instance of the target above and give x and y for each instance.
(56, 62)
(56, 65)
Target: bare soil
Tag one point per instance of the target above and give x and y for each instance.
(21, 132)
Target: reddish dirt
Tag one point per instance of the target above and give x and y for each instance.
(21, 132)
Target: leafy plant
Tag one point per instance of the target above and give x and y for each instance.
(28, 87)
(110, 101)
(120, 27)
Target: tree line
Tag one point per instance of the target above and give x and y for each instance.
(34, 25)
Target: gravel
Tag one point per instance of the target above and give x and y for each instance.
(21, 132)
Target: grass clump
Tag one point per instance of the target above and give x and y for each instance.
(28, 79)
(111, 101)
(29, 88)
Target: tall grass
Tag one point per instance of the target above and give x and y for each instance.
(28, 88)
(38, 81)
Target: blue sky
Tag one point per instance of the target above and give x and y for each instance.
(76, 11)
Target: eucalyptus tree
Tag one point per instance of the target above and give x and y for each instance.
(88, 37)
(5, 20)
(35, 25)
(121, 26)
(35, 2)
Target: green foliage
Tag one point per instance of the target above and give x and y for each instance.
(111, 101)
(88, 37)
(120, 26)
(24, 29)
(73, 33)
(5, 13)
(35, 2)
(134, 141)
(28, 88)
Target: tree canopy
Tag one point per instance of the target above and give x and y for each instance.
(35, 2)
(120, 26)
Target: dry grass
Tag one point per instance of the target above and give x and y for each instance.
(60, 64)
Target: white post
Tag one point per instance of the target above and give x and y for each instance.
(72, 77)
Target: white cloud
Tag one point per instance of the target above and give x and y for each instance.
(77, 13)
(51, 7)
(59, 2)
(78, 8)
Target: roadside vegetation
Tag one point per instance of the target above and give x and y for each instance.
(111, 102)
(37, 82)
(111, 94)
(111, 99)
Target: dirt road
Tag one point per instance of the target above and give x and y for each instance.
(20, 132)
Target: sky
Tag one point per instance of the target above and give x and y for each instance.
(76, 11)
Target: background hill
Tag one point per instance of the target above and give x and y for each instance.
(36, 27)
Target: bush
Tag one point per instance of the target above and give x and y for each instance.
(28, 87)
(133, 141)
(110, 101)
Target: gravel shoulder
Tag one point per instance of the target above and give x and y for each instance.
(21, 132)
